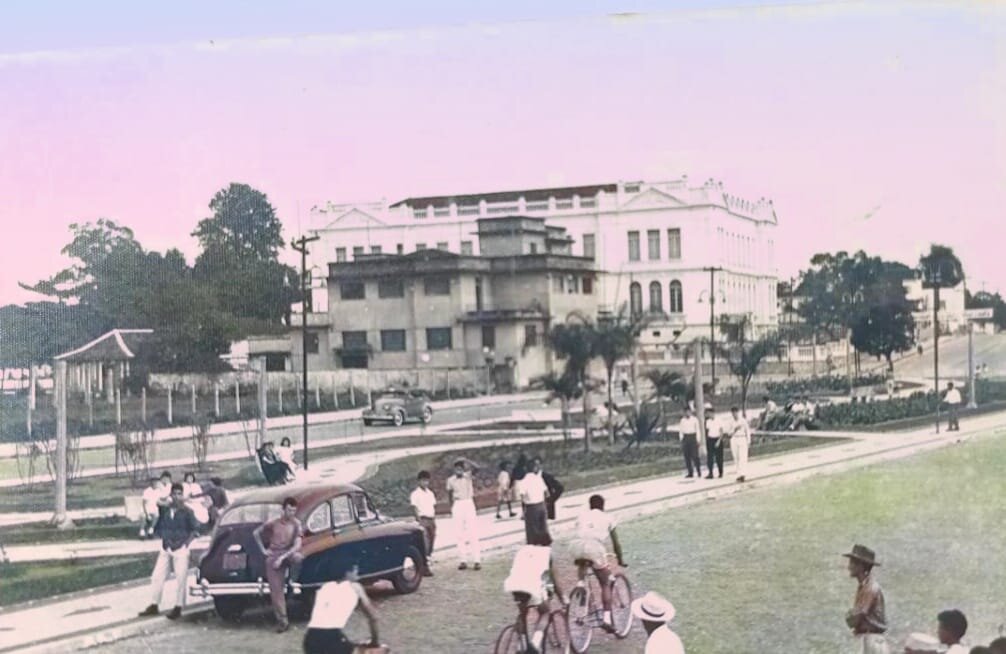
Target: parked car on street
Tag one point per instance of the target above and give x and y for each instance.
(397, 406)
(342, 529)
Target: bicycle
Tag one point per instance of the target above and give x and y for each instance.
(511, 640)
(584, 613)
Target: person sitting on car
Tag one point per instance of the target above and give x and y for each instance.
(333, 605)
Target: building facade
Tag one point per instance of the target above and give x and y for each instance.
(655, 242)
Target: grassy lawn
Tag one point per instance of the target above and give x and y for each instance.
(31, 581)
(759, 572)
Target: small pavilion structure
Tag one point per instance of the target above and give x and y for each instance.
(103, 364)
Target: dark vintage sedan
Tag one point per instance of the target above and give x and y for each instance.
(342, 529)
(397, 406)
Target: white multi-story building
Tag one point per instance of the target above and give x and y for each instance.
(656, 241)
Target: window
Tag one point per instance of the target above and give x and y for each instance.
(356, 340)
(656, 298)
(419, 213)
(558, 283)
(632, 188)
(674, 244)
(275, 362)
(320, 519)
(572, 284)
(677, 304)
(351, 291)
(440, 212)
(364, 509)
(340, 255)
(437, 286)
(588, 286)
(357, 251)
(489, 336)
(342, 512)
(399, 249)
(375, 249)
(533, 247)
(392, 340)
(420, 246)
(530, 335)
(442, 245)
(635, 299)
(633, 246)
(466, 248)
(589, 246)
(390, 288)
(312, 343)
(438, 338)
(653, 244)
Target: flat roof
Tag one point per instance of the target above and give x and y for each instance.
(530, 195)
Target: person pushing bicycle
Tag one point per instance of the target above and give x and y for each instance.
(530, 574)
(593, 528)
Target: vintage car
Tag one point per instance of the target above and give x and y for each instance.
(342, 529)
(398, 405)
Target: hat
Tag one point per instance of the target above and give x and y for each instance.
(922, 642)
(863, 554)
(652, 607)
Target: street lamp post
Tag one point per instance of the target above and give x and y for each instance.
(712, 325)
(852, 299)
(300, 245)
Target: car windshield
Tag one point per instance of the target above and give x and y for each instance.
(251, 514)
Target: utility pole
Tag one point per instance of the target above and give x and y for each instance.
(300, 245)
(712, 325)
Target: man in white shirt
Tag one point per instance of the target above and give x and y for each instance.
(593, 528)
(688, 433)
(461, 492)
(952, 398)
(424, 507)
(740, 442)
(714, 442)
(530, 574)
(655, 612)
(533, 492)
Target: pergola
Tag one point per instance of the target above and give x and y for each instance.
(104, 362)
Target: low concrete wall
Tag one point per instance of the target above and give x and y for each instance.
(431, 380)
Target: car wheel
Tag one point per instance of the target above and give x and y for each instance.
(427, 415)
(399, 418)
(230, 609)
(407, 579)
(368, 422)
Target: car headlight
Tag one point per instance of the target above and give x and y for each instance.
(386, 407)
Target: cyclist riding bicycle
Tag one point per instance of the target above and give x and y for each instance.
(593, 528)
(530, 574)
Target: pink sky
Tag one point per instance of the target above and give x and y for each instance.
(835, 112)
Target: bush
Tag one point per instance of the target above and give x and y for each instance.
(819, 385)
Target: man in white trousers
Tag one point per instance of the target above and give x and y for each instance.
(740, 442)
(177, 528)
(461, 492)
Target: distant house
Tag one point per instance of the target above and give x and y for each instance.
(103, 363)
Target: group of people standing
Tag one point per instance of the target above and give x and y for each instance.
(205, 501)
(734, 429)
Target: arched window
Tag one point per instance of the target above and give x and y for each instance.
(636, 299)
(677, 304)
(656, 298)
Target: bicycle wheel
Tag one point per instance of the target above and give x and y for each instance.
(556, 633)
(508, 641)
(579, 619)
(621, 605)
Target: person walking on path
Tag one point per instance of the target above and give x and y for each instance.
(461, 493)
(555, 491)
(285, 535)
(952, 398)
(688, 433)
(177, 528)
(623, 381)
(867, 618)
(516, 475)
(504, 490)
(424, 506)
(740, 442)
(714, 442)
(533, 493)
(655, 612)
(333, 606)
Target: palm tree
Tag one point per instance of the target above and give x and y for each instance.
(563, 387)
(574, 343)
(666, 385)
(744, 360)
(615, 339)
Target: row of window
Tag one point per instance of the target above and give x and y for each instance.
(653, 243)
(676, 302)
(572, 284)
(359, 250)
(437, 338)
(394, 288)
(422, 213)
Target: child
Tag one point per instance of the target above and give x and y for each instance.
(503, 491)
(424, 506)
(151, 494)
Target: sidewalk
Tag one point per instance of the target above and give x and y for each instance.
(110, 614)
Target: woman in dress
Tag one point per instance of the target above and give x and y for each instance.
(192, 492)
(285, 455)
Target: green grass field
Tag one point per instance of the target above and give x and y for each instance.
(22, 582)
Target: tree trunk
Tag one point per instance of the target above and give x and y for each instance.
(586, 414)
(611, 407)
(813, 343)
(564, 404)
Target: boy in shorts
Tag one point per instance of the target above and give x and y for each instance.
(593, 528)
(530, 574)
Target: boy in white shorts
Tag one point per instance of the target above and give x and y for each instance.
(529, 575)
(593, 528)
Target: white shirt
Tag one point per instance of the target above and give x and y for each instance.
(953, 396)
(664, 641)
(532, 489)
(741, 428)
(714, 428)
(333, 604)
(285, 454)
(771, 407)
(957, 649)
(461, 487)
(425, 502)
(150, 497)
(688, 425)
(530, 565)
(594, 525)
(503, 479)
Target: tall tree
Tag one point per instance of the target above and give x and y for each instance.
(884, 330)
(744, 359)
(564, 387)
(615, 338)
(573, 342)
(940, 268)
(667, 385)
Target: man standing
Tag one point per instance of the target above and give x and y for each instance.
(504, 490)
(867, 617)
(714, 442)
(424, 505)
(555, 491)
(218, 497)
(461, 493)
(688, 432)
(533, 492)
(952, 398)
(740, 442)
(283, 553)
(655, 612)
(177, 528)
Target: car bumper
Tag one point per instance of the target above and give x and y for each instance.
(390, 417)
(260, 588)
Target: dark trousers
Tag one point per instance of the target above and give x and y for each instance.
(429, 525)
(326, 641)
(714, 453)
(952, 424)
(690, 448)
(536, 524)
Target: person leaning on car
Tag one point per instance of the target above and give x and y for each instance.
(284, 534)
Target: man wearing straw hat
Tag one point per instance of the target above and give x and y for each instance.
(655, 612)
(867, 617)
